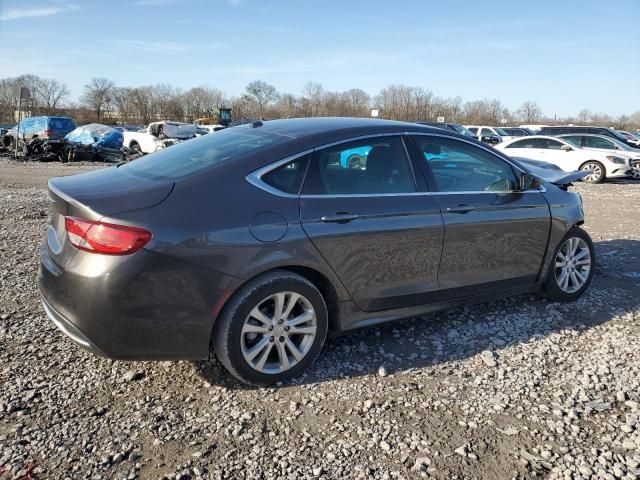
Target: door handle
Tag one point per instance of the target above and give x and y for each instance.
(339, 217)
(462, 208)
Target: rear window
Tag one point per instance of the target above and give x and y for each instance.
(194, 156)
(61, 124)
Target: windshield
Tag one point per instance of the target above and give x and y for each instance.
(622, 145)
(461, 129)
(501, 132)
(618, 135)
(193, 156)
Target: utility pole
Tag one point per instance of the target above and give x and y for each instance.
(24, 92)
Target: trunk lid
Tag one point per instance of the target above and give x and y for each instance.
(94, 195)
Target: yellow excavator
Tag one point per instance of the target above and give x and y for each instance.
(218, 119)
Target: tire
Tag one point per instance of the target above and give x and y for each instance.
(553, 287)
(597, 172)
(135, 146)
(67, 155)
(635, 171)
(355, 161)
(241, 352)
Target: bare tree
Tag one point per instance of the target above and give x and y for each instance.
(51, 94)
(262, 93)
(584, 116)
(312, 94)
(529, 112)
(97, 95)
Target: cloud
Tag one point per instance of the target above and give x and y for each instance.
(153, 3)
(165, 47)
(27, 12)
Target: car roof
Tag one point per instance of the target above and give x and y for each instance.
(336, 128)
(575, 126)
(532, 137)
(585, 135)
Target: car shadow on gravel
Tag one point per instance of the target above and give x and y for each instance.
(440, 340)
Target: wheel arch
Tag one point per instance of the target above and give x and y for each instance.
(318, 279)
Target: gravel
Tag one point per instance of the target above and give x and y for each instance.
(517, 388)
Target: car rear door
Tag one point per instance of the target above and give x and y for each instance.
(495, 236)
(373, 222)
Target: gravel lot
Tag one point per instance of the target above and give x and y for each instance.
(519, 388)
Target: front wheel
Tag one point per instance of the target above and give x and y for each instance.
(635, 171)
(595, 172)
(272, 329)
(572, 267)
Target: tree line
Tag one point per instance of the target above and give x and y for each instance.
(105, 102)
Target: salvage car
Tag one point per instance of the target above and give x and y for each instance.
(93, 142)
(159, 135)
(256, 242)
(569, 156)
(39, 135)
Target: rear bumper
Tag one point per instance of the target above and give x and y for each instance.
(144, 306)
(69, 329)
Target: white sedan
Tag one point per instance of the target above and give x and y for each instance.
(569, 157)
(609, 145)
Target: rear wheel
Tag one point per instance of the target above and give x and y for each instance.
(272, 329)
(572, 267)
(595, 172)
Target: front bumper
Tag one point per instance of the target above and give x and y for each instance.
(619, 171)
(144, 306)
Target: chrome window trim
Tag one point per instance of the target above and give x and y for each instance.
(255, 177)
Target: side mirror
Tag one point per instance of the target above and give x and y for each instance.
(528, 182)
(566, 148)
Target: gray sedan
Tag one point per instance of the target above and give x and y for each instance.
(259, 241)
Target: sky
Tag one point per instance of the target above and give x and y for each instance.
(564, 54)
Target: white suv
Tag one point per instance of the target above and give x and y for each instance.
(483, 130)
(569, 157)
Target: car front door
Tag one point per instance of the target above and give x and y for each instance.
(373, 222)
(568, 159)
(495, 236)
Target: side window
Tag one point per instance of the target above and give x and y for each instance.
(473, 130)
(574, 140)
(486, 131)
(370, 166)
(523, 144)
(288, 178)
(548, 144)
(461, 167)
(597, 142)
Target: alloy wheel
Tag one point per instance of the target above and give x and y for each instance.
(278, 332)
(572, 265)
(635, 170)
(594, 172)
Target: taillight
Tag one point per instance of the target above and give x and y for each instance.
(106, 238)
